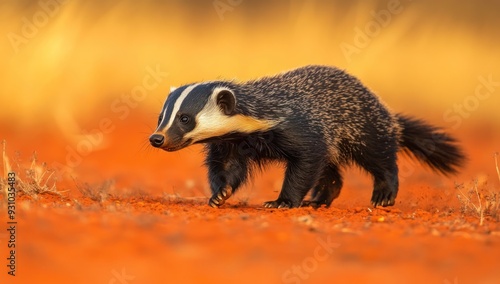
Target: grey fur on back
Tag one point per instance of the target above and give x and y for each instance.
(334, 103)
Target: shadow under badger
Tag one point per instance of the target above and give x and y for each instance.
(315, 119)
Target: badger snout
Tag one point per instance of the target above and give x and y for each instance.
(156, 140)
(160, 140)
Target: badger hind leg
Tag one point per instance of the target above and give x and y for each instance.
(300, 177)
(327, 189)
(385, 188)
(385, 177)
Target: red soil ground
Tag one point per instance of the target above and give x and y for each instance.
(151, 224)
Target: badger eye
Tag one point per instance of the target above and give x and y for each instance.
(160, 119)
(184, 119)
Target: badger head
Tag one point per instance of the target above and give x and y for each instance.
(197, 113)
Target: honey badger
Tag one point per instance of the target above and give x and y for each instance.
(315, 119)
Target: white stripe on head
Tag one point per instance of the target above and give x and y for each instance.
(212, 122)
(177, 106)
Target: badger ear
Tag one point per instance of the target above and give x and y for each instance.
(226, 100)
(172, 88)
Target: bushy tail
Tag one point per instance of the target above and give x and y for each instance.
(430, 145)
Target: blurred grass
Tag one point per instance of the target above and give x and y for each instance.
(426, 59)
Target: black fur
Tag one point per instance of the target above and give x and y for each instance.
(430, 145)
(300, 143)
(325, 120)
(231, 162)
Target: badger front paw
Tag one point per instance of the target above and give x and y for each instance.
(220, 197)
(383, 198)
(278, 203)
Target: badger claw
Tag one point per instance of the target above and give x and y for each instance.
(220, 197)
(213, 203)
(384, 199)
(278, 204)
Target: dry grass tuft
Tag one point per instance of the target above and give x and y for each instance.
(98, 192)
(480, 200)
(35, 180)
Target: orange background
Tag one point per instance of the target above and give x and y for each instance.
(76, 89)
(69, 65)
